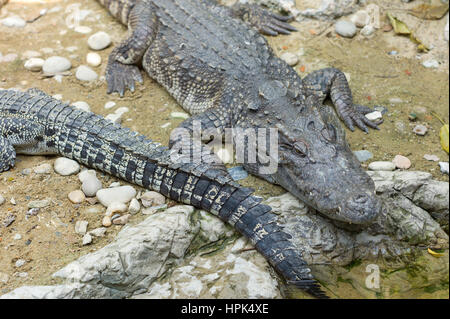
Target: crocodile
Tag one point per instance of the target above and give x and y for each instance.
(216, 64)
(34, 123)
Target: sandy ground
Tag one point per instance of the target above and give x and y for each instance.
(48, 239)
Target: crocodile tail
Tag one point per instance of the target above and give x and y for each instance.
(257, 222)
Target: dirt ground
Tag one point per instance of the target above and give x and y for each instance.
(48, 239)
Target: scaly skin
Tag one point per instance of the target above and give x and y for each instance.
(34, 123)
(221, 70)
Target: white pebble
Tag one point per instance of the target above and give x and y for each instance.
(91, 185)
(179, 115)
(376, 115)
(430, 157)
(122, 194)
(81, 227)
(122, 220)
(56, 64)
(93, 59)
(98, 232)
(381, 166)
(430, 64)
(43, 169)
(114, 117)
(360, 19)
(76, 197)
(57, 96)
(345, 28)
(85, 73)
(86, 173)
(87, 239)
(152, 199)
(14, 22)
(82, 106)
(17, 237)
(64, 166)
(20, 263)
(34, 64)
(134, 207)
(444, 167)
(2, 200)
(289, 58)
(110, 105)
(99, 41)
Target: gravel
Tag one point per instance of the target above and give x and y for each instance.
(65, 167)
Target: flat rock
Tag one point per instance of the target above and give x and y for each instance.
(346, 29)
(43, 169)
(13, 22)
(381, 166)
(430, 157)
(121, 194)
(85, 73)
(34, 64)
(363, 155)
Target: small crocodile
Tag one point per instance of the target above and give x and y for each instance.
(214, 62)
(34, 123)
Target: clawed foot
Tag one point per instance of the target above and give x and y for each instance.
(7, 155)
(356, 116)
(269, 23)
(122, 76)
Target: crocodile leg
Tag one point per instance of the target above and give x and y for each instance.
(332, 82)
(265, 21)
(122, 71)
(7, 153)
(198, 129)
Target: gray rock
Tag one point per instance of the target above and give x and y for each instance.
(363, 155)
(85, 73)
(55, 65)
(346, 29)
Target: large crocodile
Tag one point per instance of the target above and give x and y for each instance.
(213, 61)
(35, 123)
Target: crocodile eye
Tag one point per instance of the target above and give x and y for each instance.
(301, 148)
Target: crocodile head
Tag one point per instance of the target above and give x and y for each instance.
(314, 161)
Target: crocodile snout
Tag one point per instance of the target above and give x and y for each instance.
(362, 208)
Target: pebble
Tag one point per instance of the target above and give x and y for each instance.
(2, 200)
(76, 197)
(122, 194)
(429, 157)
(134, 207)
(56, 64)
(99, 41)
(420, 130)
(401, 162)
(152, 199)
(114, 184)
(17, 237)
(82, 29)
(114, 117)
(98, 232)
(65, 167)
(115, 208)
(85, 174)
(289, 58)
(179, 115)
(430, 64)
(93, 59)
(110, 105)
(34, 64)
(346, 29)
(91, 185)
(122, 220)
(39, 203)
(43, 169)
(381, 109)
(237, 173)
(444, 167)
(85, 73)
(9, 57)
(81, 227)
(87, 239)
(393, 52)
(57, 96)
(361, 19)
(82, 106)
(373, 116)
(363, 155)
(368, 31)
(14, 22)
(106, 221)
(20, 262)
(381, 166)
